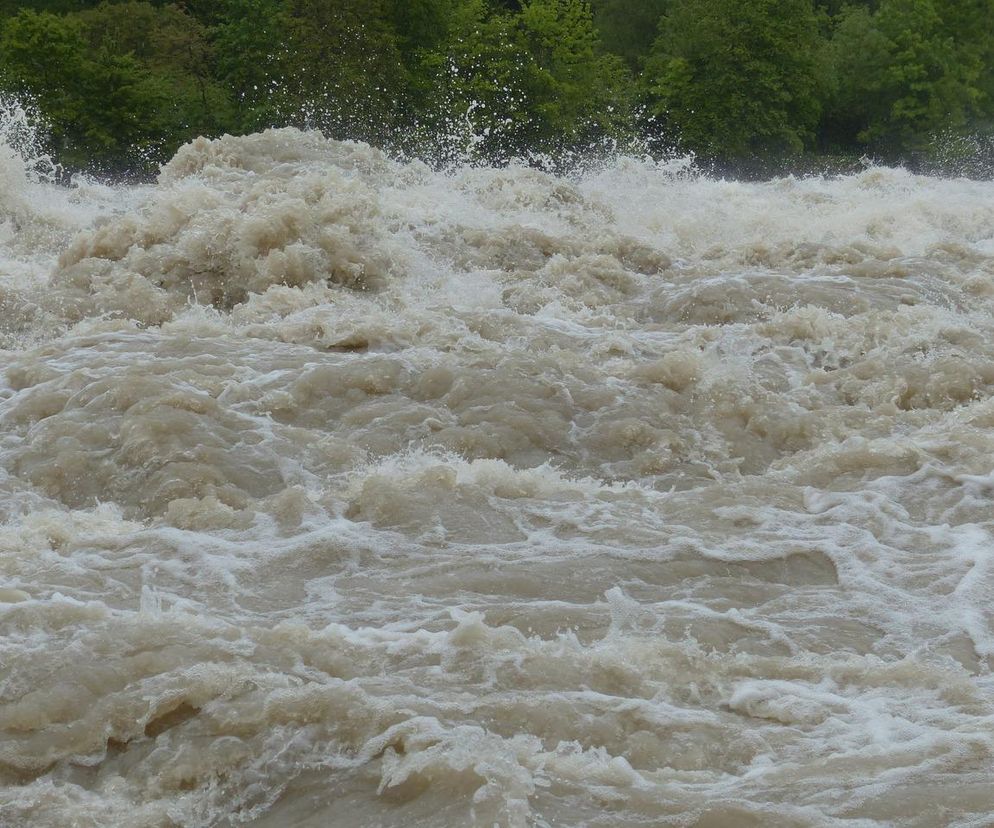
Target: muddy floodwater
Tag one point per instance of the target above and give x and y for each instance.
(339, 491)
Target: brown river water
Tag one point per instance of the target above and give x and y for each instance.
(338, 491)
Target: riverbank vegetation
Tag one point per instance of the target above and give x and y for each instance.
(753, 84)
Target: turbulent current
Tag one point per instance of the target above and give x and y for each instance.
(339, 491)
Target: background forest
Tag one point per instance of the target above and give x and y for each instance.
(746, 84)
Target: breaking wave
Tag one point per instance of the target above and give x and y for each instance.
(338, 490)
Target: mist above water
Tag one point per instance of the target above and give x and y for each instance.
(338, 490)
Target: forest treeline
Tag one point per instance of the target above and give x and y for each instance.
(121, 84)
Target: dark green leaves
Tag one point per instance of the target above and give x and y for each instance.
(122, 83)
(737, 78)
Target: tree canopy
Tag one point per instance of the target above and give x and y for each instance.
(122, 83)
(737, 78)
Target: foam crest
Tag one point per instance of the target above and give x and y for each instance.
(22, 158)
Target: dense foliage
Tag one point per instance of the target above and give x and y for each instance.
(122, 83)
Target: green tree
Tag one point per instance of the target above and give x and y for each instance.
(583, 89)
(173, 48)
(533, 81)
(347, 67)
(253, 60)
(628, 27)
(911, 70)
(102, 107)
(736, 79)
(9, 8)
(421, 25)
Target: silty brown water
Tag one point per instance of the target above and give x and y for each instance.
(339, 491)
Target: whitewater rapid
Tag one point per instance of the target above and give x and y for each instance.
(339, 491)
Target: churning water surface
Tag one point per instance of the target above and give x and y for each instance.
(338, 491)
